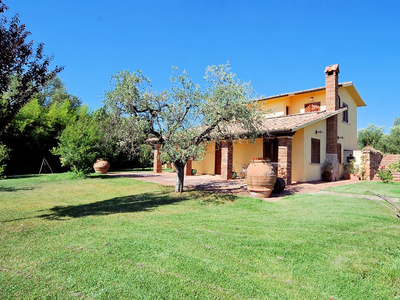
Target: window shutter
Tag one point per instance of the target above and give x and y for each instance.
(315, 106)
(339, 153)
(315, 151)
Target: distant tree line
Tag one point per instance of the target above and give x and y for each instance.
(376, 137)
(39, 118)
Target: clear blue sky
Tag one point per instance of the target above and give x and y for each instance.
(281, 46)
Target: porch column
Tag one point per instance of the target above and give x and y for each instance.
(285, 159)
(226, 159)
(188, 168)
(157, 164)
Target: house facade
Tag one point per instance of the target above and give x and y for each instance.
(306, 129)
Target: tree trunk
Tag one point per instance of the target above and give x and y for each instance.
(180, 175)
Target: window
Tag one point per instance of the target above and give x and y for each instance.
(315, 106)
(339, 153)
(315, 151)
(345, 114)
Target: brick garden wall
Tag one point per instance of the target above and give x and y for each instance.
(374, 160)
(389, 158)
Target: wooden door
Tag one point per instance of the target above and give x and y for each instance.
(270, 149)
(217, 159)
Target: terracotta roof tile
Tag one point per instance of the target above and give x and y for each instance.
(295, 122)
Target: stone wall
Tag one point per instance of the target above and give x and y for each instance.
(372, 161)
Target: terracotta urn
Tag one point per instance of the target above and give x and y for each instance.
(260, 178)
(101, 166)
(327, 176)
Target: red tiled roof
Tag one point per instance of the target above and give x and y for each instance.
(295, 122)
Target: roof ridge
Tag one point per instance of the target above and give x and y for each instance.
(344, 84)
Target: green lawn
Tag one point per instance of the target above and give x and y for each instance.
(117, 238)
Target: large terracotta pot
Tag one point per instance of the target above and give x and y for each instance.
(101, 166)
(260, 178)
(327, 176)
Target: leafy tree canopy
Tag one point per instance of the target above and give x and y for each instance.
(82, 142)
(55, 91)
(371, 135)
(184, 119)
(24, 69)
(376, 137)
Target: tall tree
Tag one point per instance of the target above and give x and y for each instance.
(390, 143)
(24, 69)
(370, 136)
(56, 91)
(185, 119)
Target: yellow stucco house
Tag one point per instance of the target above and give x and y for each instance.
(307, 129)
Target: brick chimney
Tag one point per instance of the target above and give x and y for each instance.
(332, 95)
(332, 104)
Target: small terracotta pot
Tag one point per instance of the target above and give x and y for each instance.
(354, 177)
(101, 166)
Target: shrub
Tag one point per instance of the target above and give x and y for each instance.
(386, 173)
(3, 158)
(81, 143)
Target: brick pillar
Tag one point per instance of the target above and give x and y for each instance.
(157, 164)
(372, 161)
(226, 159)
(285, 159)
(188, 168)
(331, 135)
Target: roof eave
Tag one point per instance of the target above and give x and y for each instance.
(351, 89)
(336, 112)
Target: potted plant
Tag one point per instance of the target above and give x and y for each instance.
(327, 170)
(351, 171)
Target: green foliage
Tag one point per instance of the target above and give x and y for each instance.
(82, 142)
(33, 132)
(185, 119)
(350, 168)
(375, 137)
(24, 69)
(390, 143)
(55, 92)
(385, 173)
(145, 155)
(4, 156)
(370, 136)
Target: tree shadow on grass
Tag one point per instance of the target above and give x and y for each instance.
(11, 189)
(126, 204)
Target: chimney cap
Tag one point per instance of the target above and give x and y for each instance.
(332, 68)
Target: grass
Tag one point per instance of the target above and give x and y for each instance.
(138, 170)
(118, 238)
(390, 189)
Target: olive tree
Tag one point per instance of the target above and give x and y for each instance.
(183, 120)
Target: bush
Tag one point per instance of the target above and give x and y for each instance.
(386, 173)
(3, 158)
(82, 143)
